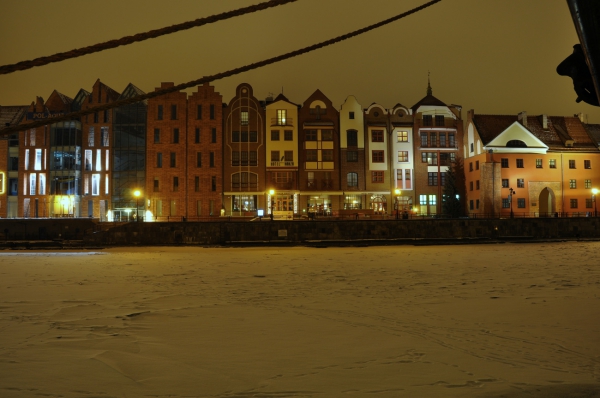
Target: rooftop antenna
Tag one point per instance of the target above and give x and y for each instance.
(429, 91)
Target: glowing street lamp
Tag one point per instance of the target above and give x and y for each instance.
(397, 192)
(137, 194)
(272, 198)
(594, 193)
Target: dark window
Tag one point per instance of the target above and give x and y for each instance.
(433, 139)
(213, 183)
(470, 205)
(451, 142)
(504, 163)
(253, 158)
(427, 120)
(175, 183)
(173, 162)
(520, 183)
(352, 179)
(571, 164)
(351, 156)
(159, 113)
(197, 184)
(424, 140)
(505, 183)
(477, 165)
(311, 155)
(439, 120)
(212, 111)
(327, 155)
(476, 185)
(470, 166)
(516, 144)
(235, 136)
(105, 118)
(351, 115)
(197, 135)
(352, 137)
(288, 135)
(159, 160)
(521, 203)
(175, 136)
(156, 184)
(173, 112)
(198, 111)
(157, 136)
(235, 158)
(377, 156)
(587, 164)
(274, 135)
(244, 136)
(377, 176)
(199, 159)
(505, 203)
(253, 136)
(95, 117)
(310, 135)
(326, 135)
(470, 184)
(432, 179)
(520, 163)
(275, 156)
(213, 135)
(377, 136)
(212, 159)
(442, 140)
(573, 203)
(472, 150)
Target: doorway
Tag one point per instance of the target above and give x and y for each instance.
(547, 203)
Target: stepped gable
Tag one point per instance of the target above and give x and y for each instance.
(490, 126)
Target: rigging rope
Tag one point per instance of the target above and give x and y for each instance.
(152, 34)
(218, 76)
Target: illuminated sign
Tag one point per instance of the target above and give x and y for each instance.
(2, 182)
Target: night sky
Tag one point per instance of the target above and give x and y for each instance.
(494, 56)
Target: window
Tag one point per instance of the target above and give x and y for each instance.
(573, 203)
(175, 184)
(472, 150)
(521, 203)
(432, 179)
(288, 135)
(538, 163)
(213, 135)
(212, 112)
(197, 135)
(427, 120)
(159, 160)
(156, 184)
(552, 163)
(377, 176)
(439, 120)
(175, 136)
(352, 138)
(274, 135)
(96, 117)
(173, 159)
(452, 157)
(235, 158)
(476, 185)
(253, 136)
(213, 183)
(90, 137)
(477, 204)
(243, 118)
(327, 135)
(37, 162)
(588, 184)
(504, 163)
(587, 164)
(198, 112)
(157, 136)
(505, 203)
(288, 156)
(95, 184)
(253, 158)
(244, 156)
(274, 156)
(311, 135)
(520, 183)
(423, 200)
(572, 184)
(477, 165)
(196, 184)
(173, 112)
(402, 136)
(327, 155)
(105, 118)
(451, 142)
(571, 164)
(235, 136)
(520, 163)
(351, 115)
(32, 183)
(470, 166)
(352, 156)
(88, 159)
(431, 158)
(244, 136)
(424, 140)
(470, 184)
(211, 159)
(377, 156)
(442, 140)
(104, 136)
(470, 205)
(281, 117)
(199, 159)
(588, 203)
(352, 179)
(402, 156)
(505, 183)
(432, 139)
(377, 136)
(311, 155)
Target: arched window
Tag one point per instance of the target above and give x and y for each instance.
(516, 144)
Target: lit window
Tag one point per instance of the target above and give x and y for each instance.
(402, 136)
(402, 156)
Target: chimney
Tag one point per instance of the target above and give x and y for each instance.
(522, 117)
(545, 122)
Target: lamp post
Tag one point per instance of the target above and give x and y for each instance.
(272, 199)
(397, 192)
(510, 195)
(137, 194)
(594, 193)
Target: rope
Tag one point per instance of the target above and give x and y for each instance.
(218, 76)
(23, 65)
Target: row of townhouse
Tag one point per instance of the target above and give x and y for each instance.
(194, 157)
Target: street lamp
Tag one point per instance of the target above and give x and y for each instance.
(137, 194)
(510, 195)
(397, 192)
(594, 193)
(272, 199)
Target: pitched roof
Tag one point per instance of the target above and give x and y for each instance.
(428, 100)
(11, 115)
(559, 130)
(594, 132)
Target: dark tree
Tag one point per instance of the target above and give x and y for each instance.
(454, 192)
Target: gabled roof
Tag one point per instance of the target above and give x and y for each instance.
(66, 100)
(593, 131)
(131, 91)
(282, 97)
(11, 115)
(559, 134)
(428, 100)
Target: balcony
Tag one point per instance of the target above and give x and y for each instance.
(276, 121)
(285, 163)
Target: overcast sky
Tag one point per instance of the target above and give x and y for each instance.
(494, 56)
